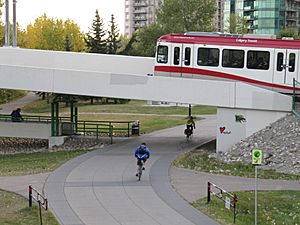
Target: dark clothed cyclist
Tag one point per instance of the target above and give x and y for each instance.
(142, 153)
(190, 124)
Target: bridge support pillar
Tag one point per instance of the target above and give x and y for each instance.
(54, 119)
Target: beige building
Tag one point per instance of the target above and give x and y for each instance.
(139, 13)
(219, 17)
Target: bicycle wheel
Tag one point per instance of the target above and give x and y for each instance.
(140, 171)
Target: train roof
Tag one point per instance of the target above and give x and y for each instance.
(193, 38)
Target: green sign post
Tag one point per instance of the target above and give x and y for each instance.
(256, 157)
(256, 161)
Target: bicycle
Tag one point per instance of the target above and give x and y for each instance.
(140, 168)
(188, 132)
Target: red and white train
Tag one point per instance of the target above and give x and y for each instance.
(267, 63)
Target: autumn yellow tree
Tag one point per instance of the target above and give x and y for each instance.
(50, 34)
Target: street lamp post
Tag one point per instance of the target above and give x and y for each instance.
(7, 33)
(14, 23)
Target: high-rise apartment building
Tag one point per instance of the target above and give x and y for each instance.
(265, 16)
(219, 17)
(139, 13)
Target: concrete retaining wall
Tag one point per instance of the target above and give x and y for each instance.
(25, 130)
(234, 125)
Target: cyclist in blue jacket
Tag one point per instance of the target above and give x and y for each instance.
(142, 153)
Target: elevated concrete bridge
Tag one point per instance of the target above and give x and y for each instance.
(131, 77)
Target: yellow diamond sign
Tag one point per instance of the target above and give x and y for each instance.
(256, 157)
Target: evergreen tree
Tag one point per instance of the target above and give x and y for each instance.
(113, 34)
(68, 44)
(95, 37)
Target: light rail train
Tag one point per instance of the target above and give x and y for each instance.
(266, 63)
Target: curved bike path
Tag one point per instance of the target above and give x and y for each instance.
(101, 188)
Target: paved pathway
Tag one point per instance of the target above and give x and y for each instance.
(19, 103)
(100, 187)
(193, 185)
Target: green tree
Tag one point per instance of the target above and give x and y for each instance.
(96, 36)
(186, 15)
(113, 35)
(146, 40)
(127, 47)
(289, 33)
(236, 24)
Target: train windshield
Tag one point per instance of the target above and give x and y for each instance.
(162, 54)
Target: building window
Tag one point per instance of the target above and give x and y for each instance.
(233, 58)
(259, 60)
(162, 54)
(208, 57)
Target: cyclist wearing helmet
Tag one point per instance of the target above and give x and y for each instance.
(190, 124)
(142, 153)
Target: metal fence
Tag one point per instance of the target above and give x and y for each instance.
(34, 195)
(229, 199)
(296, 98)
(85, 127)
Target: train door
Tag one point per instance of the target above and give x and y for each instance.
(187, 60)
(176, 60)
(285, 68)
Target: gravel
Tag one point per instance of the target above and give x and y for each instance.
(28, 145)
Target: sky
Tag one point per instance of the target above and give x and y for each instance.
(81, 12)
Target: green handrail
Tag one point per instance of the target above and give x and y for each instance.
(86, 127)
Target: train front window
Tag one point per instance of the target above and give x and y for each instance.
(280, 61)
(208, 57)
(292, 59)
(162, 54)
(233, 58)
(187, 56)
(259, 60)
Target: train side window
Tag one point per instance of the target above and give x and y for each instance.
(176, 55)
(208, 57)
(187, 56)
(292, 59)
(162, 54)
(279, 61)
(259, 60)
(233, 58)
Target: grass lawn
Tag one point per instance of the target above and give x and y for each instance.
(14, 210)
(134, 107)
(10, 95)
(147, 123)
(274, 207)
(199, 160)
(32, 163)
